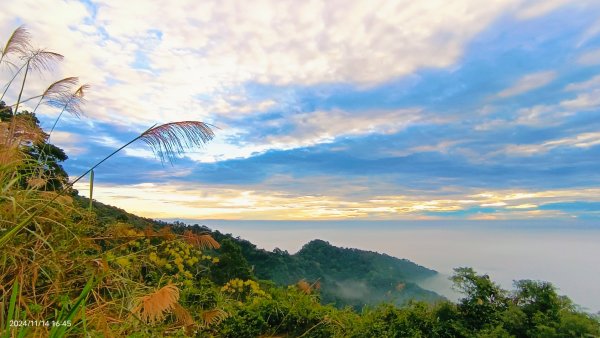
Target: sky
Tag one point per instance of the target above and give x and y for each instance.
(332, 110)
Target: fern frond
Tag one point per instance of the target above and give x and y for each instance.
(304, 287)
(170, 140)
(149, 232)
(166, 233)
(153, 307)
(182, 315)
(213, 317)
(204, 241)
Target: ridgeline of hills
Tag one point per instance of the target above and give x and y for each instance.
(345, 276)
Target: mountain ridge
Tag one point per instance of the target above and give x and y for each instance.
(347, 276)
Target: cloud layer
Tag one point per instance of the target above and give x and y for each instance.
(332, 109)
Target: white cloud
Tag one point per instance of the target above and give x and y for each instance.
(584, 85)
(587, 97)
(584, 101)
(325, 126)
(203, 201)
(590, 58)
(529, 82)
(69, 142)
(209, 48)
(105, 140)
(542, 115)
(589, 33)
(535, 8)
(307, 129)
(584, 140)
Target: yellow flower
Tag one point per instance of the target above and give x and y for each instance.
(122, 261)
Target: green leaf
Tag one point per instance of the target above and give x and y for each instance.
(61, 330)
(11, 308)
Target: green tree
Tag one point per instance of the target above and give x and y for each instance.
(548, 314)
(232, 264)
(484, 300)
(46, 156)
(538, 299)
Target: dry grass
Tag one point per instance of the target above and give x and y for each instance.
(51, 246)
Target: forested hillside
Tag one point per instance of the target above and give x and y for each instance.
(346, 277)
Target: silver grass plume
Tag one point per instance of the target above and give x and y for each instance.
(57, 90)
(69, 101)
(18, 43)
(42, 60)
(170, 140)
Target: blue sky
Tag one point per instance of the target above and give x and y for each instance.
(350, 110)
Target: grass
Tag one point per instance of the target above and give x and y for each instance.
(54, 253)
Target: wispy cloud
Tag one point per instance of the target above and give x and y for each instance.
(585, 140)
(214, 202)
(70, 142)
(536, 8)
(529, 82)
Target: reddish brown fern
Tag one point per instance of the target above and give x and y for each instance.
(204, 241)
(213, 317)
(153, 307)
(304, 287)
